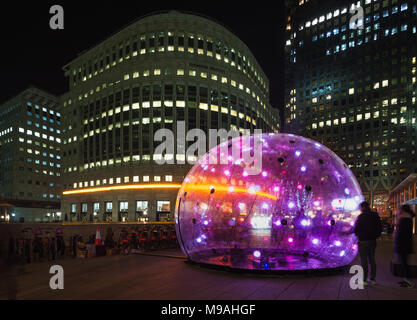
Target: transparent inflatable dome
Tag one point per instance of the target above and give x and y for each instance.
(292, 207)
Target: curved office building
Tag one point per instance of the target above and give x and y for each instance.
(170, 70)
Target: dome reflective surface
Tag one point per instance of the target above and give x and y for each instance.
(296, 213)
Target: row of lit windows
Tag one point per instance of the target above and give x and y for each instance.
(141, 206)
(229, 56)
(39, 195)
(44, 109)
(38, 135)
(350, 91)
(119, 180)
(359, 32)
(194, 73)
(45, 172)
(178, 104)
(352, 44)
(38, 144)
(359, 117)
(44, 154)
(6, 131)
(358, 110)
(44, 127)
(181, 158)
(180, 72)
(336, 13)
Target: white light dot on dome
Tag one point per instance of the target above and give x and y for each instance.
(256, 253)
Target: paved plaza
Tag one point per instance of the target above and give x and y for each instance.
(163, 278)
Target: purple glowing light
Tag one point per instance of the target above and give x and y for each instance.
(305, 222)
(287, 208)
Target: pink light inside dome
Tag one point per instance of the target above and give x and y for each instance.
(295, 211)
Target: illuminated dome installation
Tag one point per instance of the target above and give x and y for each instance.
(296, 213)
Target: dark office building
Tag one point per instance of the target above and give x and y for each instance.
(351, 84)
(30, 157)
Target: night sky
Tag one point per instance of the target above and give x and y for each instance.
(33, 54)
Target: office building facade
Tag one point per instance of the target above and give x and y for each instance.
(351, 84)
(162, 71)
(30, 157)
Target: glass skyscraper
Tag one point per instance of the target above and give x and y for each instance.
(351, 84)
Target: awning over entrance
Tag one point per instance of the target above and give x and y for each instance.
(405, 184)
(404, 193)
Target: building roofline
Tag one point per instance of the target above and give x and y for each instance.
(160, 12)
(30, 88)
(412, 178)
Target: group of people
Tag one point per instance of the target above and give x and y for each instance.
(368, 228)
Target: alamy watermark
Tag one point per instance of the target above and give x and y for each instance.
(243, 149)
(57, 280)
(356, 282)
(57, 20)
(357, 21)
